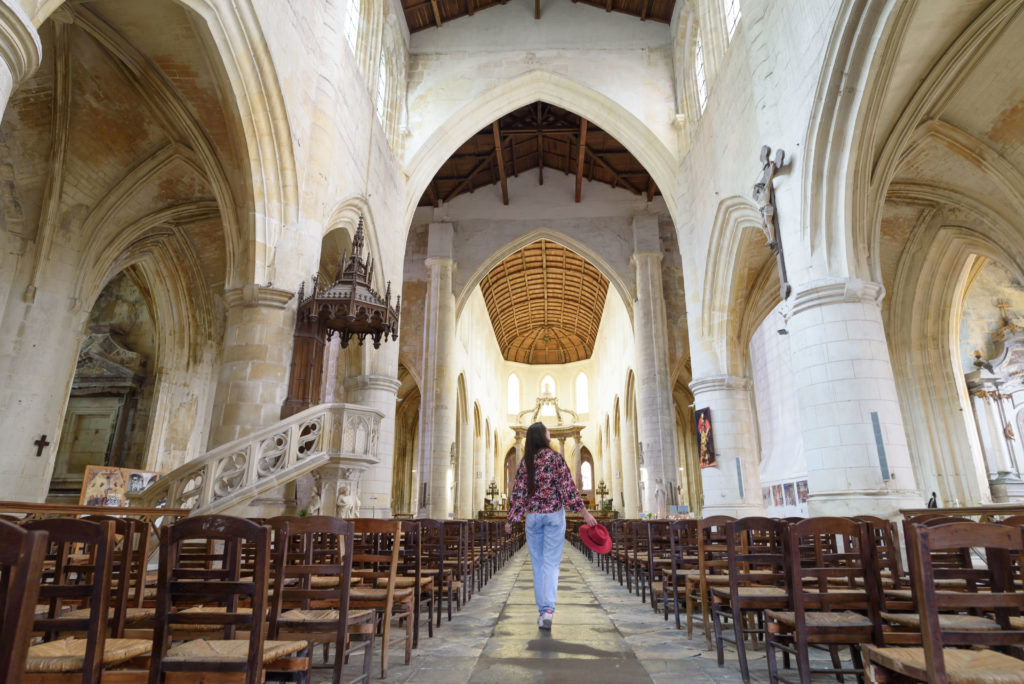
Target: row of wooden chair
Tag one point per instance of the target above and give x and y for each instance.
(314, 580)
(832, 583)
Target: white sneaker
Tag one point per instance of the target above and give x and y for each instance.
(545, 618)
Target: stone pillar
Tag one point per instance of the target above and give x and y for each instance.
(733, 487)
(630, 485)
(257, 353)
(20, 49)
(464, 472)
(377, 391)
(479, 486)
(437, 413)
(857, 456)
(655, 412)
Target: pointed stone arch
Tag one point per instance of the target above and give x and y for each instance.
(554, 89)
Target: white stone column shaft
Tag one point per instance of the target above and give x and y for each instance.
(733, 486)
(850, 414)
(20, 49)
(437, 412)
(630, 486)
(377, 391)
(655, 413)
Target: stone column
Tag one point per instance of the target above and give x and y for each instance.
(464, 472)
(733, 487)
(253, 378)
(377, 391)
(479, 468)
(20, 50)
(437, 413)
(655, 413)
(857, 456)
(630, 485)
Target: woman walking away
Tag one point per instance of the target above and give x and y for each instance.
(542, 491)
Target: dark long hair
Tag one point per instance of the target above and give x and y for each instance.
(536, 440)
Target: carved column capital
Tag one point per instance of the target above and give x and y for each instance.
(836, 291)
(257, 295)
(715, 383)
(372, 383)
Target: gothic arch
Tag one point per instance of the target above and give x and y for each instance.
(554, 236)
(554, 89)
(345, 216)
(244, 56)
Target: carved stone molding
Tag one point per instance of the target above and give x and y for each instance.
(718, 383)
(372, 383)
(20, 47)
(258, 295)
(836, 291)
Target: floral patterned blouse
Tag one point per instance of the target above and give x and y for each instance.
(554, 487)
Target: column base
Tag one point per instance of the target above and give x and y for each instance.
(736, 510)
(846, 503)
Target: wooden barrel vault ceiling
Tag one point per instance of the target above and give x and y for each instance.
(545, 303)
(424, 14)
(509, 147)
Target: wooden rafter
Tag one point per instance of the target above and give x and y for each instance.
(501, 162)
(581, 158)
(437, 12)
(424, 14)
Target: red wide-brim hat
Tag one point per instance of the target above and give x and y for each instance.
(596, 538)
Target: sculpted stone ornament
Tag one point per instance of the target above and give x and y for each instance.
(348, 503)
(764, 195)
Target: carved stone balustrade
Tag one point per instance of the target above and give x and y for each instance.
(334, 442)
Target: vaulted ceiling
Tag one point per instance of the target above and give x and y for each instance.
(509, 147)
(545, 303)
(424, 14)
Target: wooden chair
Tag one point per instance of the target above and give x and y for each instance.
(712, 563)
(757, 582)
(659, 561)
(823, 614)
(376, 552)
(306, 550)
(938, 660)
(77, 577)
(21, 565)
(456, 555)
(243, 654)
(683, 554)
(886, 536)
(433, 543)
(411, 576)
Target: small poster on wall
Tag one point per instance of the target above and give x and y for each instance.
(109, 487)
(705, 439)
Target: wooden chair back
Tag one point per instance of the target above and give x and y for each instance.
(1003, 601)
(817, 554)
(76, 575)
(121, 569)
(201, 563)
(712, 547)
(21, 565)
(755, 550)
(886, 537)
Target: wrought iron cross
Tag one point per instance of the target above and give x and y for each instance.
(41, 444)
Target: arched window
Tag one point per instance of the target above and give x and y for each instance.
(586, 476)
(352, 23)
(699, 74)
(548, 387)
(382, 88)
(732, 16)
(582, 394)
(512, 398)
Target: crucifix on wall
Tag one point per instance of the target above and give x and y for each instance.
(764, 195)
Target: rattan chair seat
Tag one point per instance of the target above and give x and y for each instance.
(750, 592)
(373, 594)
(405, 582)
(844, 618)
(228, 650)
(966, 623)
(68, 655)
(963, 666)
(298, 617)
(130, 614)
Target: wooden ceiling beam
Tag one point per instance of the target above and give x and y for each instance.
(608, 6)
(607, 167)
(644, 10)
(582, 156)
(501, 163)
(465, 181)
(540, 147)
(536, 9)
(437, 12)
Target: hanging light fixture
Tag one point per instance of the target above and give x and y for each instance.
(350, 306)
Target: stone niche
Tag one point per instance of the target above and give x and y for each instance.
(101, 411)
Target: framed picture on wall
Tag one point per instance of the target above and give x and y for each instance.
(801, 491)
(790, 491)
(705, 439)
(103, 486)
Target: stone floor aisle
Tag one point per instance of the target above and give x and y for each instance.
(602, 634)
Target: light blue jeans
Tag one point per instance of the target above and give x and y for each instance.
(545, 537)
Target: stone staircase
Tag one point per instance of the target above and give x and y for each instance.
(335, 443)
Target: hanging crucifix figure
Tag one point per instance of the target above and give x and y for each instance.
(764, 195)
